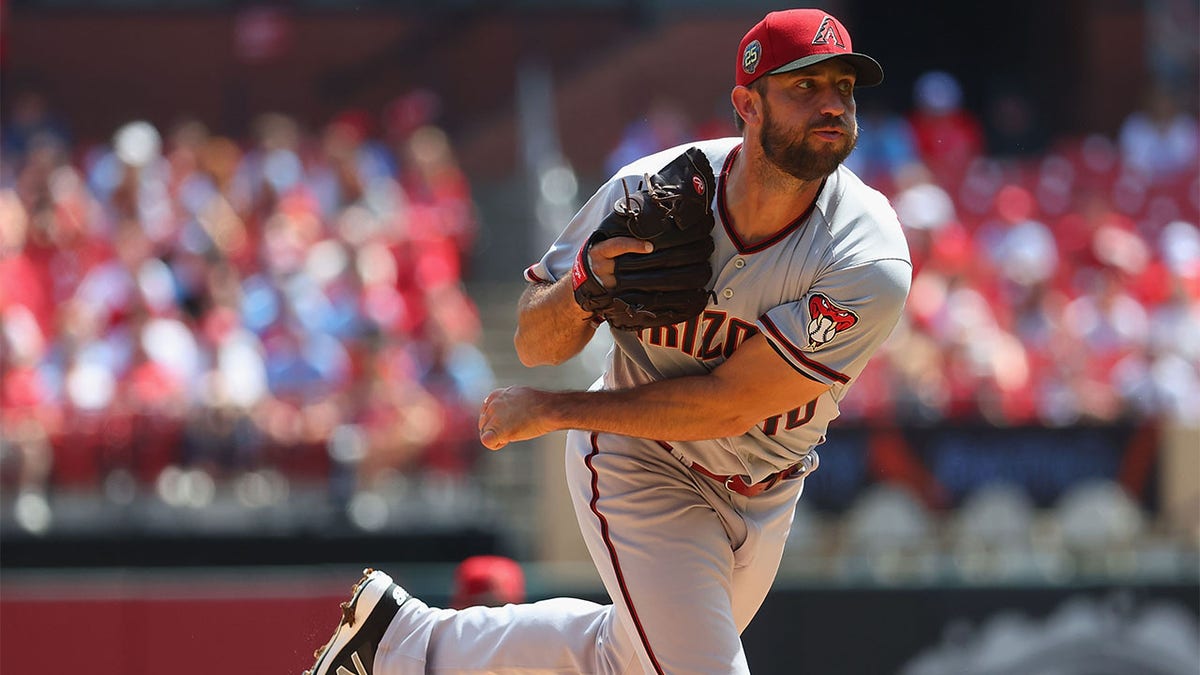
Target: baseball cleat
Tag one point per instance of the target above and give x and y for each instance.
(366, 615)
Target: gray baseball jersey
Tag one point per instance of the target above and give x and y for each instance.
(686, 561)
(825, 291)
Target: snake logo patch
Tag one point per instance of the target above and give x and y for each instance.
(825, 321)
(827, 34)
(751, 57)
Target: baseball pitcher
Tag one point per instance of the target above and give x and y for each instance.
(748, 281)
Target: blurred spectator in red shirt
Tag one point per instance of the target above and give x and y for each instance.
(441, 213)
(28, 413)
(24, 280)
(948, 136)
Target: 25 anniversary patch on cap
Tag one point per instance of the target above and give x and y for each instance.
(751, 56)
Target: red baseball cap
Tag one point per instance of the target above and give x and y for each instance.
(798, 38)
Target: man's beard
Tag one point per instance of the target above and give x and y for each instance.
(793, 157)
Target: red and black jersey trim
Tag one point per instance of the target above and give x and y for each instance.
(727, 220)
(612, 554)
(530, 275)
(796, 353)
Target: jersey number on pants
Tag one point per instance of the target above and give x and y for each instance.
(795, 418)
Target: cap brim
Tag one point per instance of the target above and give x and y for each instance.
(870, 73)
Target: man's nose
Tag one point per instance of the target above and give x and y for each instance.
(832, 103)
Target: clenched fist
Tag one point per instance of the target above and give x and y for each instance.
(513, 414)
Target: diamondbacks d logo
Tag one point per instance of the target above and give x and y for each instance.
(827, 34)
(825, 321)
(751, 57)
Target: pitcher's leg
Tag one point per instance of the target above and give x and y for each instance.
(662, 553)
(557, 636)
(767, 519)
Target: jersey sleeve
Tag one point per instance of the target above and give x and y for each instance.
(559, 258)
(831, 333)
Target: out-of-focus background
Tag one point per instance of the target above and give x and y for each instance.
(258, 266)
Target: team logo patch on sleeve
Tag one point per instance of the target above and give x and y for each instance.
(826, 321)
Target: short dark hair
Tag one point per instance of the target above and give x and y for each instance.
(759, 86)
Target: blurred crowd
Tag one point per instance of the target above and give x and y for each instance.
(291, 301)
(295, 300)
(1056, 281)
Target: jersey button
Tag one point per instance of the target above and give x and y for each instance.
(739, 263)
(728, 292)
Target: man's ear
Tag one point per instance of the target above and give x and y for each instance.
(747, 104)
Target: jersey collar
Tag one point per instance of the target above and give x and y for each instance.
(727, 221)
